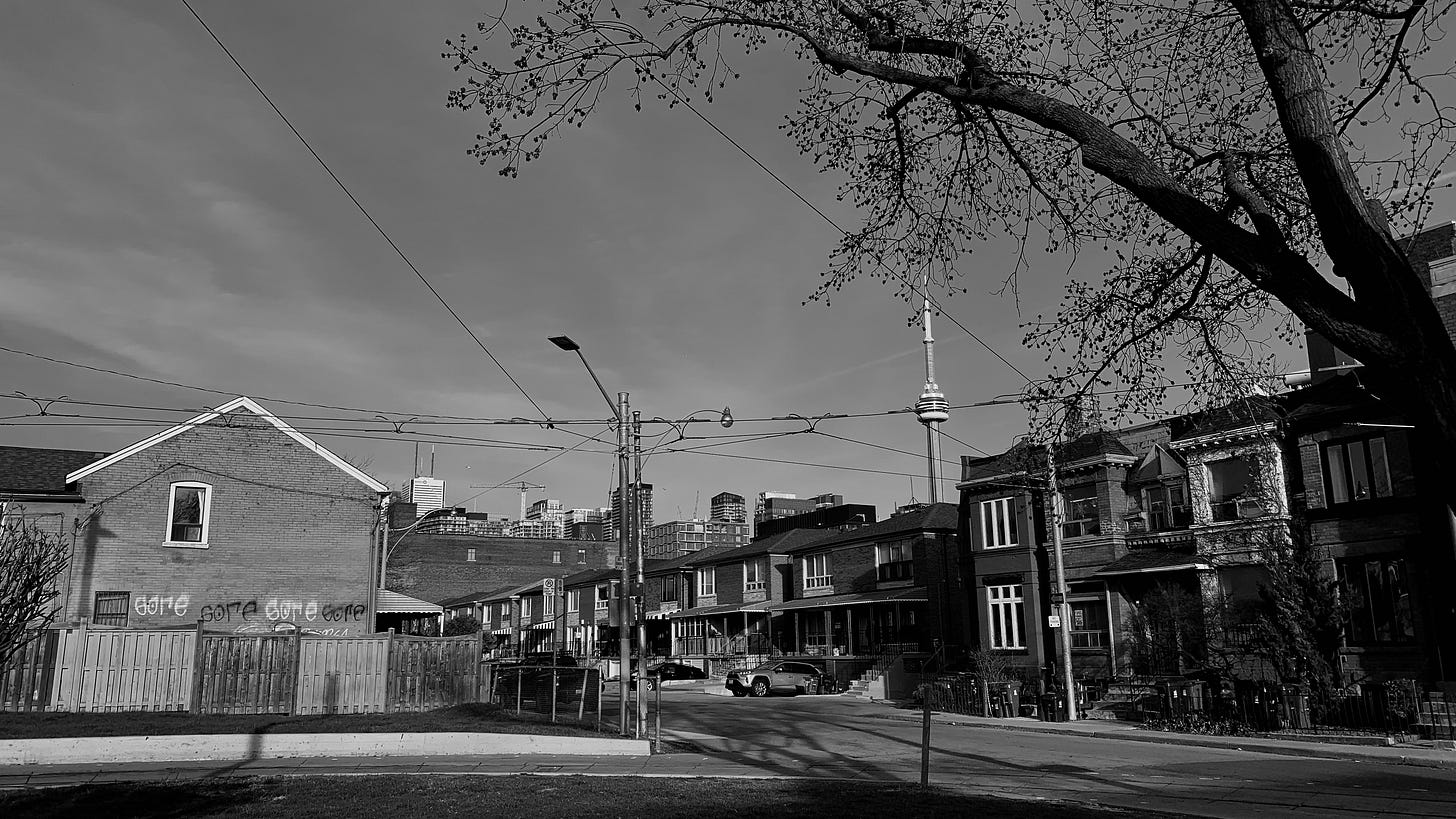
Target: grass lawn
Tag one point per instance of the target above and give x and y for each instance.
(521, 797)
(470, 717)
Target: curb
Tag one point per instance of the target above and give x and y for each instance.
(1317, 750)
(244, 747)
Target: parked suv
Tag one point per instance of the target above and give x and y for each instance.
(784, 676)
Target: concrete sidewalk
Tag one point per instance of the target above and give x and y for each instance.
(1424, 754)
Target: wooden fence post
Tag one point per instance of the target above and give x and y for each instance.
(194, 699)
(388, 671)
(475, 657)
(297, 647)
(78, 665)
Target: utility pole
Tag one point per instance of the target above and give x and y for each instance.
(1059, 595)
(641, 576)
(624, 518)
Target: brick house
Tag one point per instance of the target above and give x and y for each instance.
(1163, 530)
(232, 518)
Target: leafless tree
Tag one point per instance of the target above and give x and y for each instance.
(1221, 153)
(32, 561)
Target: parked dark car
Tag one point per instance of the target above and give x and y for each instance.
(670, 671)
(781, 677)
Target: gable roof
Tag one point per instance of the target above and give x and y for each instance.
(34, 471)
(935, 516)
(241, 402)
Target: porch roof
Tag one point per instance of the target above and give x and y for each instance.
(1145, 561)
(728, 608)
(392, 602)
(912, 594)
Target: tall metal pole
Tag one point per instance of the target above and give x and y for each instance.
(637, 524)
(1059, 597)
(624, 517)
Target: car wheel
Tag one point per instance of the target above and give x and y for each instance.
(652, 685)
(760, 688)
(740, 692)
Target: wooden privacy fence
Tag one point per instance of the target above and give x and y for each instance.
(88, 669)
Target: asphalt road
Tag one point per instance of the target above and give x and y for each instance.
(833, 736)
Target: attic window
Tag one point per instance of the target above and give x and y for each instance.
(189, 511)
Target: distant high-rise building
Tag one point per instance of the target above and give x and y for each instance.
(773, 505)
(644, 496)
(846, 516)
(729, 507)
(427, 494)
(538, 528)
(586, 524)
(680, 537)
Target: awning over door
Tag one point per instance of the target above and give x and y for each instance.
(1147, 561)
(392, 602)
(913, 594)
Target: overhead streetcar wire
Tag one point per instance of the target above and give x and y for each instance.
(345, 188)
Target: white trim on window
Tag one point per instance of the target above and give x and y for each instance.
(818, 573)
(573, 600)
(755, 572)
(707, 580)
(1007, 609)
(200, 527)
(998, 523)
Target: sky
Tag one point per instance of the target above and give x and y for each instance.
(158, 219)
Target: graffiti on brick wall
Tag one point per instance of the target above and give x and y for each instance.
(259, 612)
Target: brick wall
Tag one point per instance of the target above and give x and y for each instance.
(289, 535)
(438, 567)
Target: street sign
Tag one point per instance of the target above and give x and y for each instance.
(548, 586)
(1058, 598)
(1054, 621)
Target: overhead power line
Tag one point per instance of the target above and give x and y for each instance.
(362, 209)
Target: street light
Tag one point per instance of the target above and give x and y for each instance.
(625, 502)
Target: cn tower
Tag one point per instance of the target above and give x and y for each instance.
(932, 408)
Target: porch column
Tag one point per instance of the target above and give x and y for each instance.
(828, 632)
(849, 625)
(796, 632)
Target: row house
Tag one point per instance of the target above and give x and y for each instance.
(848, 598)
(1163, 527)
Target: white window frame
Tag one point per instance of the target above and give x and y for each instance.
(573, 600)
(548, 605)
(998, 523)
(899, 551)
(1006, 608)
(469, 555)
(706, 581)
(555, 555)
(527, 604)
(206, 513)
(602, 600)
(505, 614)
(818, 571)
(757, 579)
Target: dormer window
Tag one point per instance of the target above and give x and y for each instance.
(189, 510)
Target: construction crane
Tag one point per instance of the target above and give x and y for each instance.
(522, 485)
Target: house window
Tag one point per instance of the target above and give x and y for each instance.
(548, 605)
(111, 608)
(817, 574)
(573, 600)
(755, 574)
(505, 614)
(1356, 470)
(527, 606)
(1081, 506)
(1167, 507)
(1228, 481)
(893, 562)
(581, 555)
(998, 523)
(1377, 592)
(604, 593)
(556, 556)
(707, 583)
(469, 555)
(669, 589)
(1007, 614)
(188, 511)
(1089, 624)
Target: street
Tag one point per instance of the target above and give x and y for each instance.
(834, 736)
